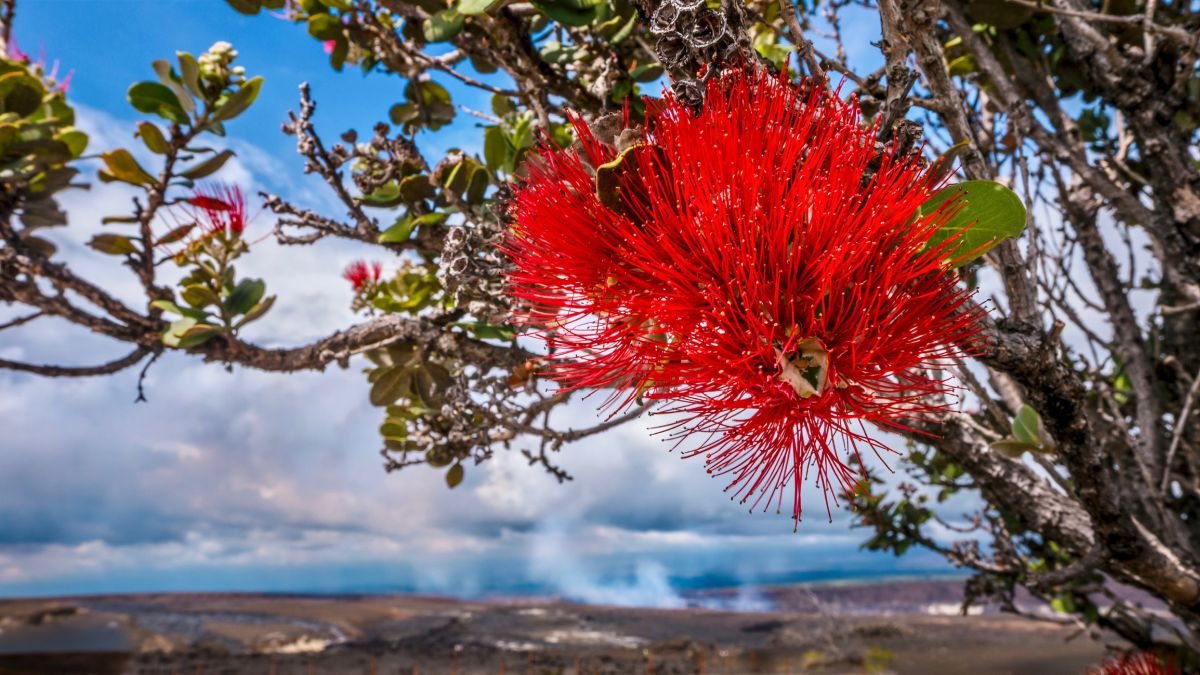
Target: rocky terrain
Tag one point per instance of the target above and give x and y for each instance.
(882, 628)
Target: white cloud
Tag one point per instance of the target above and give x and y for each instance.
(221, 475)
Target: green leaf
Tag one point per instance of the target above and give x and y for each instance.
(257, 311)
(199, 296)
(189, 72)
(241, 99)
(624, 31)
(110, 220)
(618, 174)
(486, 331)
(999, 13)
(166, 76)
(399, 232)
(174, 332)
(963, 65)
(578, 4)
(436, 459)
(1012, 449)
(341, 50)
(473, 7)
(483, 65)
(646, 72)
(1025, 426)
(562, 12)
(123, 167)
(20, 92)
(153, 137)
(477, 186)
(196, 335)
(385, 196)
(416, 187)
(989, 214)
(168, 306)
(403, 229)
(156, 99)
(428, 105)
(249, 7)
(558, 53)
(175, 234)
(943, 165)
(391, 385)
(113, 244)
(442, 26)
(208, 166)
(324, 26)
(461, 177)
(1063, 604)
(502, 105)
(245, 296)
(454, 476)
(393, 430)
(75, 140)
(45, 212)
(495, 148)
(343, 5)
(42, 246)
(188, 332)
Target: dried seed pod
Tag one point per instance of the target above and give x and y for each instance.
(689, 93)
(707, 30)
(664, 18)
(672, 51)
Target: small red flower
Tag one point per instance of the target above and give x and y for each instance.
(14, 52)
(1144, 663)
(361, 274)
(740, 265)
(219, 208)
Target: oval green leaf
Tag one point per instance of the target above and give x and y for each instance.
(123, 167)
(208, 166)
(153, 137)
(455, 476)
(156, 99)
(239, 100)
(442, 26)
(987, 214)
(1025, 426)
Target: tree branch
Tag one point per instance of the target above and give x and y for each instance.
(78, 371)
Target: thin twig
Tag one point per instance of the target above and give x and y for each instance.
(77, 371)
(803, 45)
(21, 320)
(1179, 35)
(1177, 436)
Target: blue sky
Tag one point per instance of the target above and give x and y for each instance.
(251, 481)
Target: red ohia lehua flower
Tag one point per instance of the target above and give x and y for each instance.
(218, 207)
(361, 274)
(1144, 663)
(752, 271)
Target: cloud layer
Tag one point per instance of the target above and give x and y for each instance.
(251, 481)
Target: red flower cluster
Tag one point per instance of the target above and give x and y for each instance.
(1145, 663)
(50, 73)
(741, 265)
(219, 208)
(360, 274)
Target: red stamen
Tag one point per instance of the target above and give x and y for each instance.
(749, 279)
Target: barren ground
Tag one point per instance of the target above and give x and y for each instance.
(835, 629)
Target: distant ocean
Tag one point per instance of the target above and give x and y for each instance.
(663, 577)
